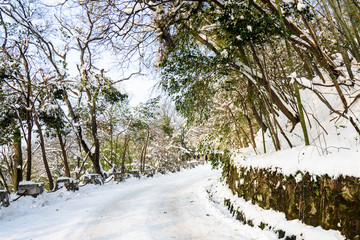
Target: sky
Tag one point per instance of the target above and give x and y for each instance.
(141, 88)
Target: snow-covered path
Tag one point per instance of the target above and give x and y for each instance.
(164, 208)
(174, 206)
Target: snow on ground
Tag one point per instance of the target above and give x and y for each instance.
(174, 206)
(308, 159)
(334, 144)
(276, 220)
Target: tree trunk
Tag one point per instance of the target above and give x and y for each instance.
(338, 40)
(126, 142)
(310, 45)
(145, 151)
(28, 143)
(111, 138)
(237, 127)
(283, 133)
(116, 149)
(272, 95)
(43, 151)
(260, 80)
(95, 158)
(63, 150)
(111, 142)
(301, 114)
(262, 130)
(274, 136)
(252, 136)
(142, 158)
(4, 180)
(291, 63)
(253, 109)
(18, 159)
(355, 125)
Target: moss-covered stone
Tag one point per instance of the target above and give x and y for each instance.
(315, 200)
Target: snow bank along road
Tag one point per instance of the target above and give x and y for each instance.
(174, 206)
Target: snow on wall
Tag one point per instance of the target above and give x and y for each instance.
(334, 144)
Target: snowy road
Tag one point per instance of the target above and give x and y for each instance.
(174, 206)
(162, 208)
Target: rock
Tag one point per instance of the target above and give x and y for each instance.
(172, 169)
(4, 198)
(161, 170)
(71, 184)
(316, 200)
(28, 188)
(149, 172)
(135, 173)
(119, 177)
(345, 192)
(281, 234)
(93, 179)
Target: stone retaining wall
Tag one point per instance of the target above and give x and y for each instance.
(315, 200)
